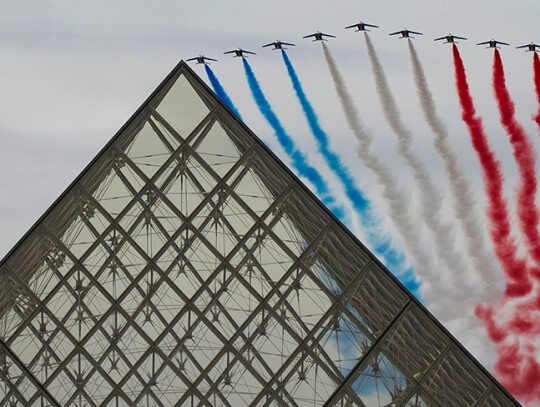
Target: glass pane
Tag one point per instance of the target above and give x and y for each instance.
(379, 382)
(496, 398)
(418, 399)
(375, 300)
(182, 107)
(414, 343)
(343, 339)
(217, 149)
(455, 381)
(149, 150)
(336, 260)
(185, 182)
(15, 388)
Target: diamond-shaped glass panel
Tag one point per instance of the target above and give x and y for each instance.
(15, 388)
(379, 382)
(217, 149)
(149, 149)
(341, 339)
(185, 182)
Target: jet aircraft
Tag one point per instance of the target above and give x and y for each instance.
(492, 43)
(531, 47)
(239, 52)
(450, 38)
(406, 33)
(201, 59)
(361, 26)
(279, 44)
(319, 36)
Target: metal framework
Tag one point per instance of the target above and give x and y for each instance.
(187, 266)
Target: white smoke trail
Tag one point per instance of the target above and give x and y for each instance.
(397, 198)
(464, 202)
(430, 197)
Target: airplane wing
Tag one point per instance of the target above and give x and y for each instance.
(397, 32)
(371, 25)
(415, 32)
(193, 59)
(460, 38)
(268, 45)
(352, 26)
(310, 35)
(442, 38)
(211, 59)
(502, 43)
(248, 52)
(328, 35)
(483, 43)
(230, 52)
(289, 44)
(521, 46)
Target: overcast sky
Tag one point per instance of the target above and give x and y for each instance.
(73, 72)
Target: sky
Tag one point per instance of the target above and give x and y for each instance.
(73, 72)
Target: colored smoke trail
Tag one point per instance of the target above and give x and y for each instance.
(220, 91)
(508, 323)
(515, 269)
(511, 326)
(464, 202)
(536, 66)
(398, 198)
(430, 198)
(298, 159)
(379, 239)
(524, 156)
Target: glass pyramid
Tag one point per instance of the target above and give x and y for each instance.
(187, 266)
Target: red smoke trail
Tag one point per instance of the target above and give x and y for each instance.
(507, 323)
(536, 65)
(525, 159)
(513, 329)
(515, 269)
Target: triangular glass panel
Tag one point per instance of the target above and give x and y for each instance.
(182, 107)
(495, 398)
(454, 380)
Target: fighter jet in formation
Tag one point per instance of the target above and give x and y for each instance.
(278, 44)
(406, 33)
(492, 43)
(531, 47)
(201, 59)
(240, 53)
(450, 39)
(361, 26)
(319, 36)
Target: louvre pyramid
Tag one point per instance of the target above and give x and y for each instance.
(187, 266)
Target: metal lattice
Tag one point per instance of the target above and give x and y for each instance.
(187, 266)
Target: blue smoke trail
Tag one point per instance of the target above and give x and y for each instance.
(220, 91)
(298, 159)
(380, 241)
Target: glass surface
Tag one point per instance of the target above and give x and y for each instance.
(187, 267)
(182, 107)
